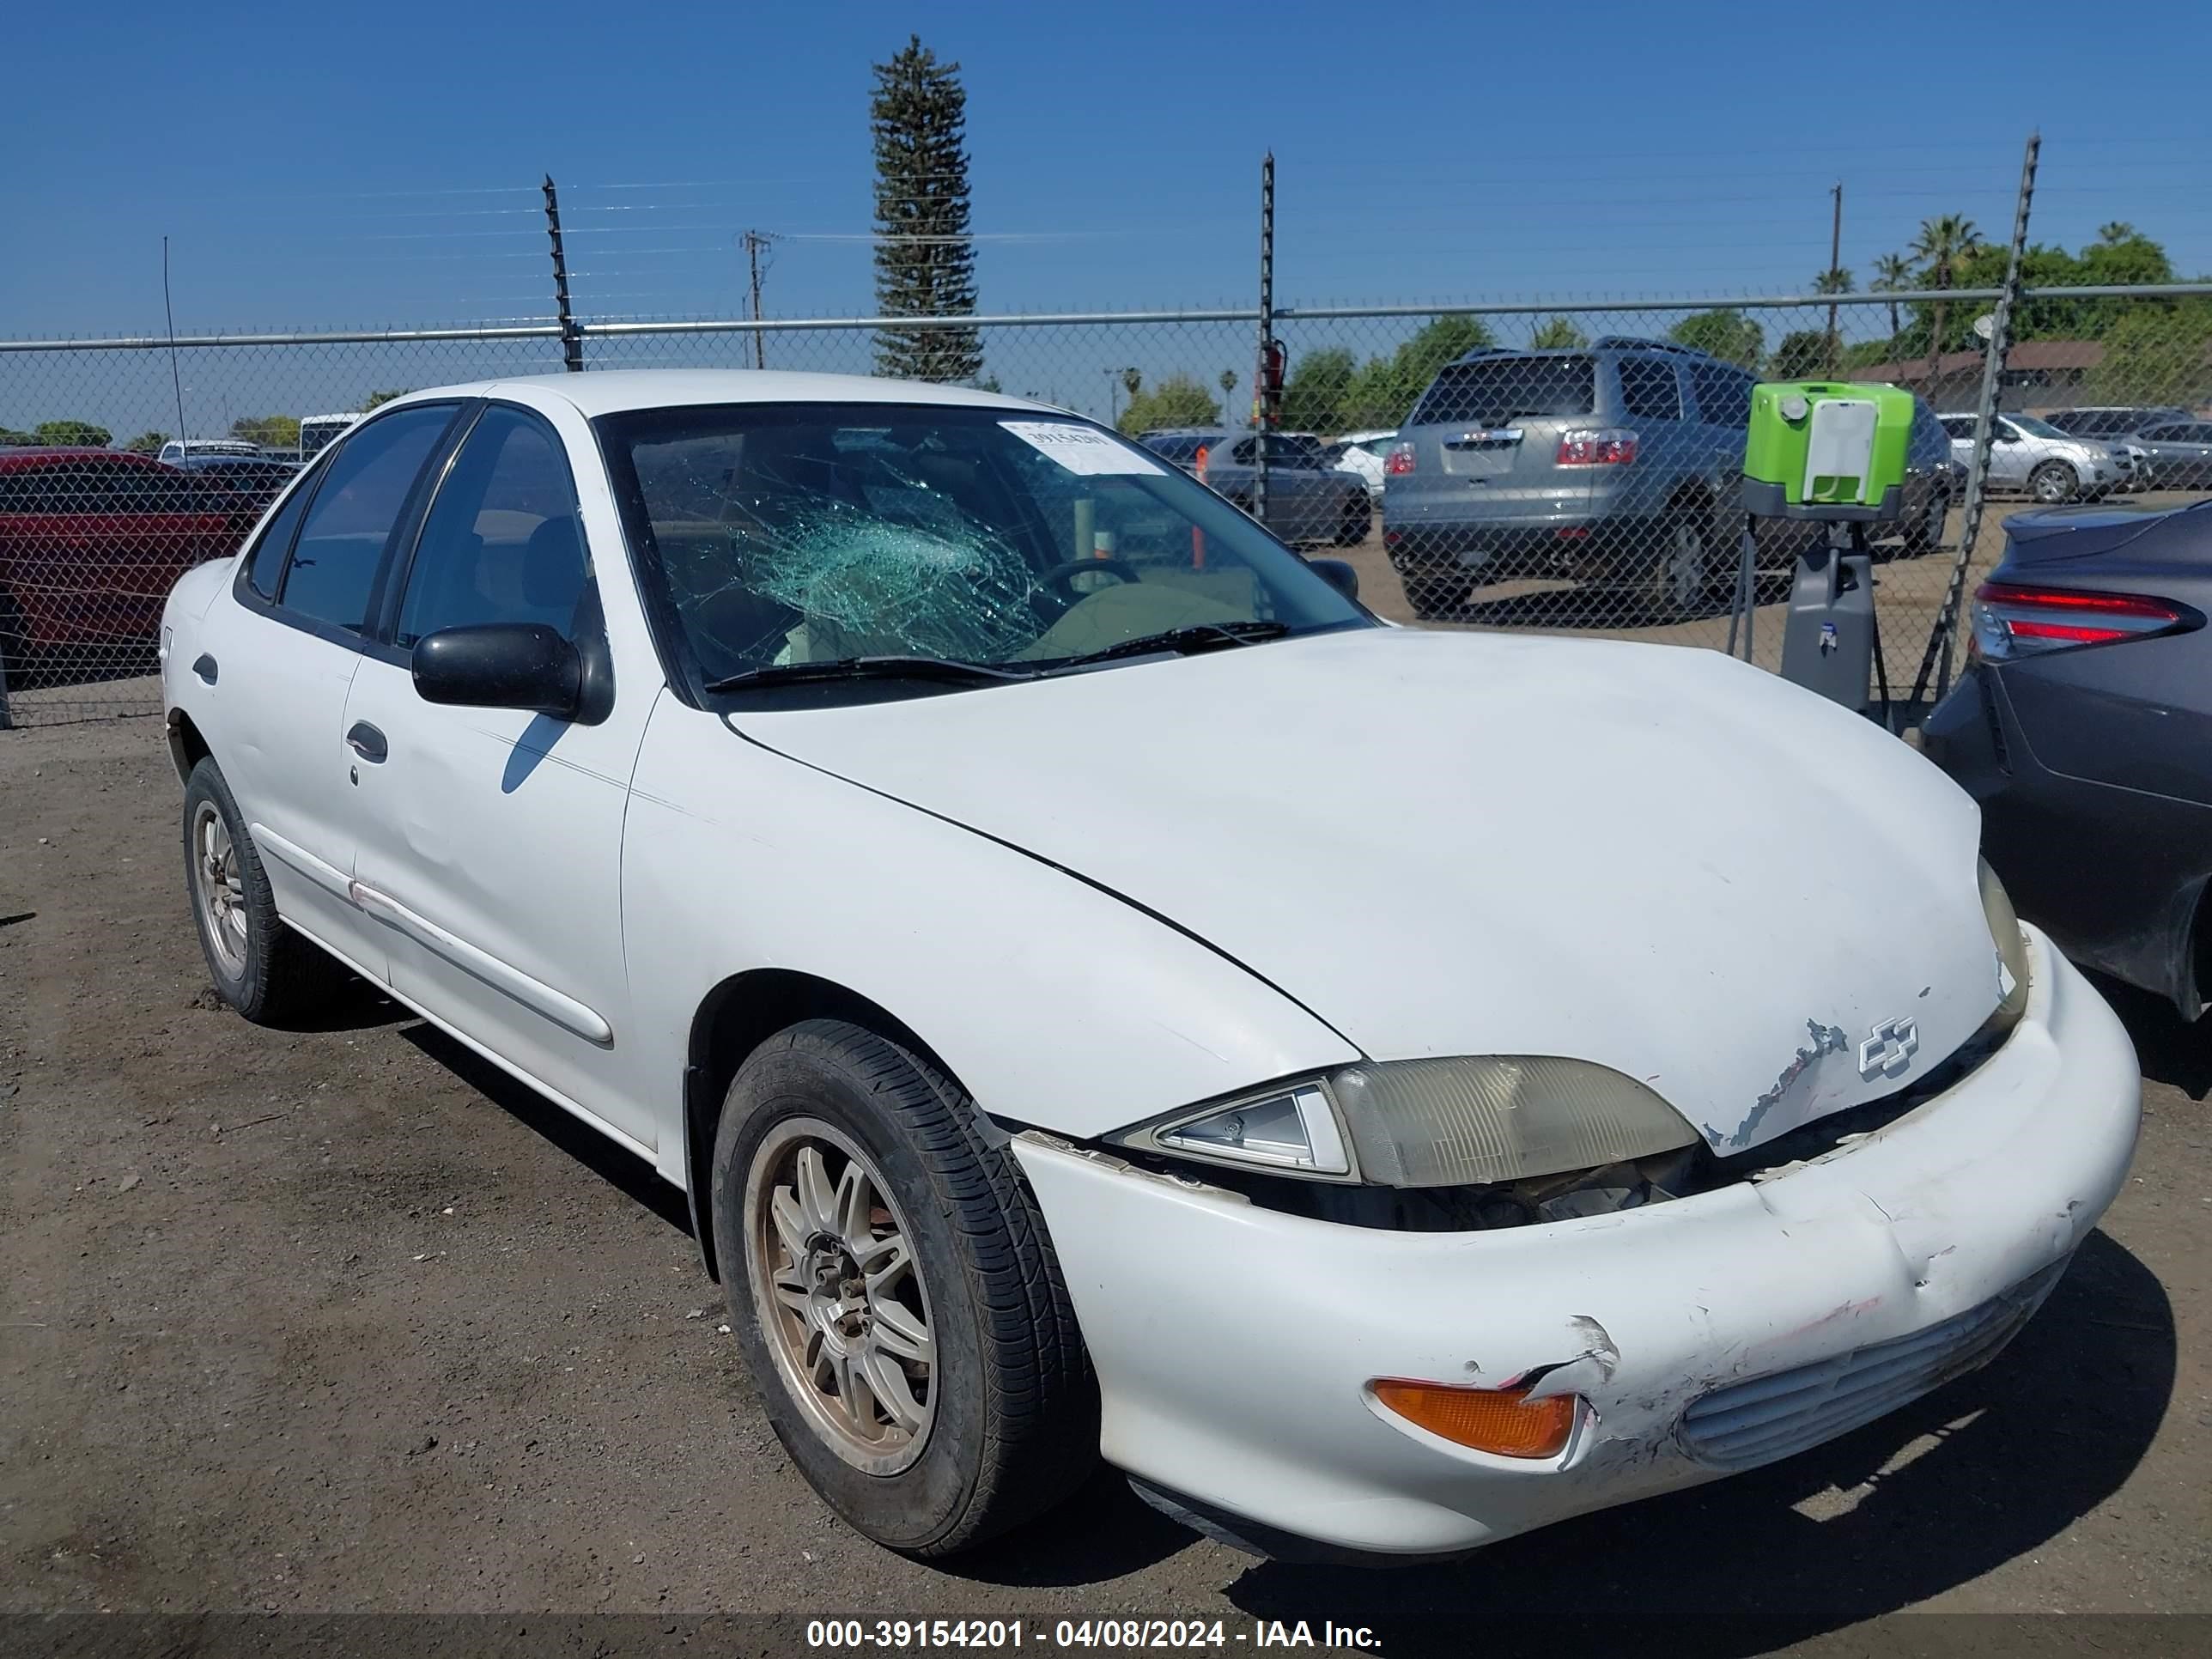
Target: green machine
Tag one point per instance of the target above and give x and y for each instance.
(1834, 454)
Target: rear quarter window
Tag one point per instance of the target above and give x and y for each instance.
(1650, 389)
(1496, 389)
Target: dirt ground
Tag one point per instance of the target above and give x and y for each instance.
(340, 1321)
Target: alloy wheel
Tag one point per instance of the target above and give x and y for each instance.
(839, 1295)
(219, 889)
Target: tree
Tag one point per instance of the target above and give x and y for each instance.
(1179, 400)
(1132, 381)
(1383, 391)
(1228, 386)
(269, 431)
(1727, 334)
(1556, 334)
(73, 434)
(372, 401)
(1802, 355)
(925, 255)
(2115, 231)
(1943, 242)
(148, 443)
(1313, 397)
(1835, 280)
(1893, 274)
(10, 438)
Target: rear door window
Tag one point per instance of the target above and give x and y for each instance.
(1492, 391)
(341, 543)
(1723, 395)
(1650, 389)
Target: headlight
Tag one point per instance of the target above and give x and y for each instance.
(2011, 948)
(1431, 1123)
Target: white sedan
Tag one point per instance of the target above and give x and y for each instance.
(1104, 994)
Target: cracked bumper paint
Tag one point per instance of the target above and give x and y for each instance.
(1234, 1344)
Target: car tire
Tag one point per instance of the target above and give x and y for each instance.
(828, 1132)
(1925, 534)
(1672, 581)
(2054, 481)
(1430, 592)
(260, 967)
(15, 644)
(1354, 522)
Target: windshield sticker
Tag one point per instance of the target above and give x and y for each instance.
(1082, 449)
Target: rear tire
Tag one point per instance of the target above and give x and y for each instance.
(1925, 535)
(936, 1280)
(260, 967)
(1674, 581)
(2052, 482)
(14, 645)
(1433, 593)
(1357, 519)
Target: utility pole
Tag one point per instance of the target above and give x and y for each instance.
(756, 243)
(572, 338)
(1263, 400)
(1835, 266)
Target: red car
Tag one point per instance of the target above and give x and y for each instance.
(91, 541)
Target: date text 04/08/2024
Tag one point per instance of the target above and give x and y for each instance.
(897, 1634)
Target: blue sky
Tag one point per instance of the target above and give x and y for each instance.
(329, 165)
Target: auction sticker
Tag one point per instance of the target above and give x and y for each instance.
(1082, 449)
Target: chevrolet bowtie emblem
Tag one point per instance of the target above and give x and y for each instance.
(1889, 1050)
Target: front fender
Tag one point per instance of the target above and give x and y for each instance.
(1056, 1003)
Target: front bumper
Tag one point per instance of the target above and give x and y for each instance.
(1235, 1345)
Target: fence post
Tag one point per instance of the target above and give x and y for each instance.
(1263, 407)
(1936, 659)
(572, 338)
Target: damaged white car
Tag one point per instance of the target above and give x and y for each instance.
(1106, 995)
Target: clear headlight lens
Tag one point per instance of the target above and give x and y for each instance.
(1433, 1124)
(2011, 949)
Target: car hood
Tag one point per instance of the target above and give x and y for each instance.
(1651, 857)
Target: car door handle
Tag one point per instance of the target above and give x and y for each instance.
(366, 741)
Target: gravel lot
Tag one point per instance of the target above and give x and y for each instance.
(341, 1321)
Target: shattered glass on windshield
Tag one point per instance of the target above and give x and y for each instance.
(812, 533)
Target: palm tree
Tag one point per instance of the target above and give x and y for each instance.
(1944, 241)
(2118, 231)
(1132, 381)
(1228, 394)
(1837, 281)
(1893, 273)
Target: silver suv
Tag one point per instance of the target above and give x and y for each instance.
(1619, 463)
(2035, 457)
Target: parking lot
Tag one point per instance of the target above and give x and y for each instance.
(342, 1321)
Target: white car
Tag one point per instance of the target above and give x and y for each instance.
(1027, 909)
(1362, 452)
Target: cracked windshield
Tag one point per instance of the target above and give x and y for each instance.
(796, 534)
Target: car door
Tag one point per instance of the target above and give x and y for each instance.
(2013, 455)
(491, 839)
(277, 665)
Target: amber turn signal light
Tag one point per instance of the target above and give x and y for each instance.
(1503, 1421)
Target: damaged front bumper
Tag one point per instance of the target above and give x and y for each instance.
(1235, 1345)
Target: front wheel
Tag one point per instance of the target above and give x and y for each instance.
(15, 644)
(1674, 580)
(894, 1293)
(2052, 482)
(1926, 534)
(260, 967)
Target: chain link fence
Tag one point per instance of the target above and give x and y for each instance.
(1566, 466)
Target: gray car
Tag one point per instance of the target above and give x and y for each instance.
(1618, 464)
(2179, 453)
(2114, 422)
(1308, 500)
(2036, 459)
(2083, 726)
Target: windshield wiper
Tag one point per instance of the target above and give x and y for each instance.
(1185, 642)
(944, 669)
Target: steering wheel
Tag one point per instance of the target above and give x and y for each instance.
(1060, 578)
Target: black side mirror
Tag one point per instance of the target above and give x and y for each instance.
(500, 665)
(1338, 574)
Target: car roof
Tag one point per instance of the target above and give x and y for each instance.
(17, 459)
(611, 392)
